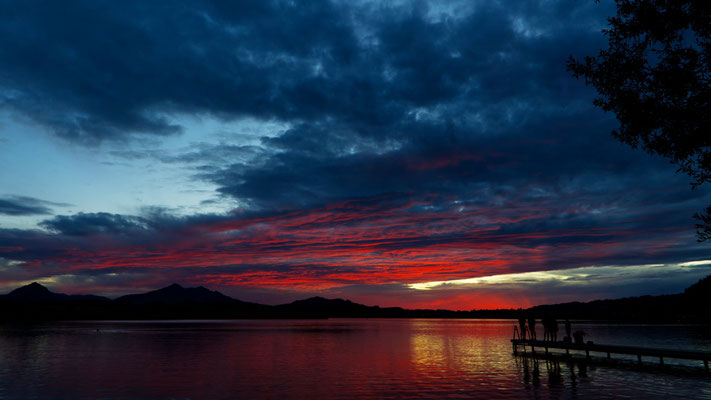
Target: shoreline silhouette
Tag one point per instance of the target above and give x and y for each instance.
(35, 302)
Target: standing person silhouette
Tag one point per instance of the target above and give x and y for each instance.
(532, 328)
(553, 329)
(522, 327)
(568, 329)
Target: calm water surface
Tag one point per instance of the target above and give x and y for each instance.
(323, 359)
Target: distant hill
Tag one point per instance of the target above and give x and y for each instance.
(320, 307)
(176, 294)
(699, 289)
(35, 292)
(666, 308)
(320, 303)
(694, 305)
(36, 302)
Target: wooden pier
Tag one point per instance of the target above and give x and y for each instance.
(613, 349)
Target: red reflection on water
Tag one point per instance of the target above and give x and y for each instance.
(295, 359)
(331, 359)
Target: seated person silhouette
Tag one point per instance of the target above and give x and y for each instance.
(578, 337)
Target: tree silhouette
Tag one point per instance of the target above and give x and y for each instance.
(655, 77)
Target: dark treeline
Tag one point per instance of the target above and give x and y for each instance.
(36, 303)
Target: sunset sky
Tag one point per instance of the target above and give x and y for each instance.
(397, 153)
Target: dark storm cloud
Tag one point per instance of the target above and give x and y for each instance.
(315, 167)
(22, 205)
(83, 224)
(95, 70)
(447, 105)
(152, 221)
(381, 98)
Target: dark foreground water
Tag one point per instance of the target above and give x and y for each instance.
(324, 359)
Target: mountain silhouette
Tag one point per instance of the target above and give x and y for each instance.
(319, 307)
(35, 302)
(320, 303)
(176, 294)
(34, 292)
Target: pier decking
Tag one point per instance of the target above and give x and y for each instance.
(614, 349)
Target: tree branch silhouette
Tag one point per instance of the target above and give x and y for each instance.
(656, 77)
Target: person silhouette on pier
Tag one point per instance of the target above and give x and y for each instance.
(522, 327)
(552, 329)
(568, 329)
(532, 328)
(578, 337)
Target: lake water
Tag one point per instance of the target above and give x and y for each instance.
(324, 359)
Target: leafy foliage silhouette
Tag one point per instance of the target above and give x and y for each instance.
(655, 76)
